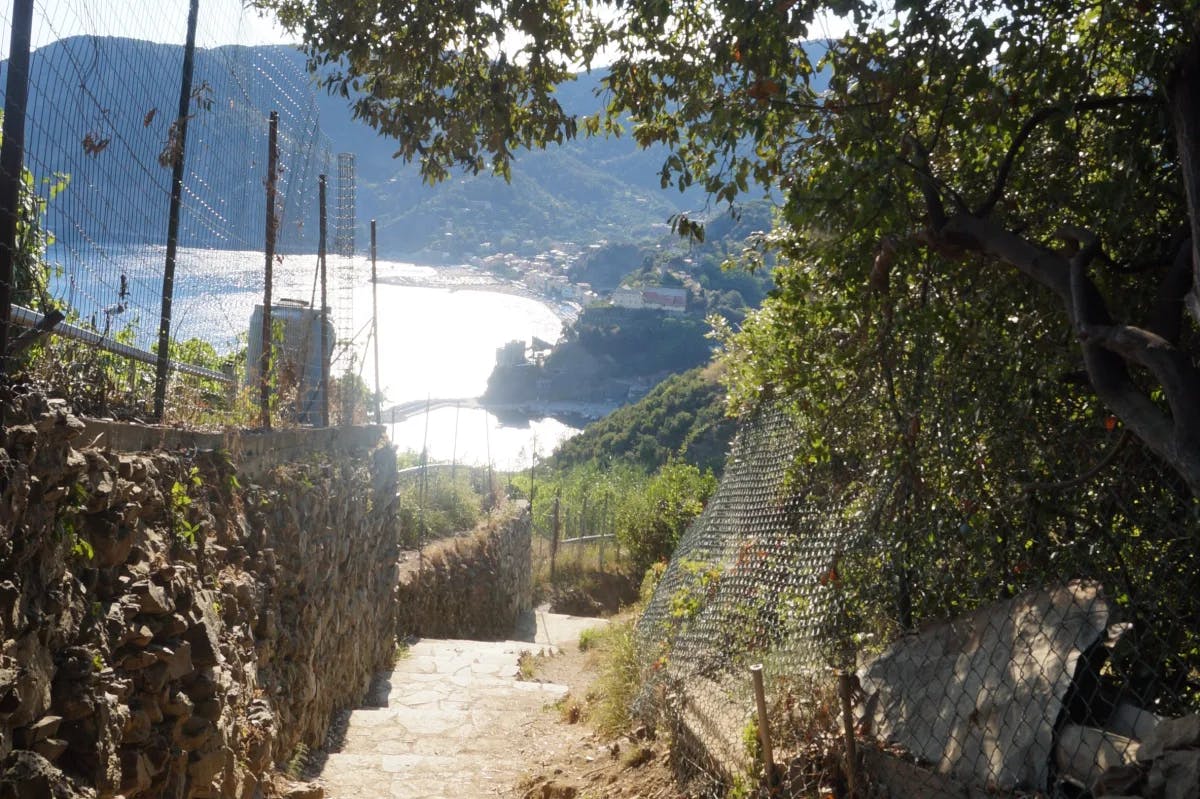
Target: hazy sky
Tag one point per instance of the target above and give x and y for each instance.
(220, 21)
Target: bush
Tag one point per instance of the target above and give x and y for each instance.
(440, 506)
(650, 522)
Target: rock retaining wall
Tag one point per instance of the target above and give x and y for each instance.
(475, 586)
(173, 626)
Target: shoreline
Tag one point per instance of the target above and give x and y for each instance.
(563, 410)
(468, 278)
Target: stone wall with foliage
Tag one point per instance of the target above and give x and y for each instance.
(171, 625)
(473, 586)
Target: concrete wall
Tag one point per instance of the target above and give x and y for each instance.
(173, 624)
(475, 586)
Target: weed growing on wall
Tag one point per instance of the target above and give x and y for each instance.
(181, 501)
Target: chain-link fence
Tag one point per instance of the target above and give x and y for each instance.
(948, 661)
(103, 138)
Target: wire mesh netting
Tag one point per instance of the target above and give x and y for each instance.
(943, 665)
(103, 135)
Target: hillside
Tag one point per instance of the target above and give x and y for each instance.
(606, 356)
(684, 417)
(585, 191)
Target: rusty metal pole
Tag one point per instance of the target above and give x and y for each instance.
(264, 360)
(12, 160)
(173, 211)
(375, 324)
(764, 724)
(324, 315)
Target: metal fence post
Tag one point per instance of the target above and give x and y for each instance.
(264, 360)
(178, 146)
(375, 324)
(12, 157)
(324, 303)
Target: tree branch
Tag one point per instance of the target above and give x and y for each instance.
(1043, 115)
(988, 237)
(1080, 479)
(1167, 319)
(1087, 305)
(1107, 347)
(1169, 365)
(36, 333)
(927, 182)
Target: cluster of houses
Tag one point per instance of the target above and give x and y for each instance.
(542, 275)
(558, 287)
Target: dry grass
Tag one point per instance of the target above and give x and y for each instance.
(526, 666)
(573, 562)
(619, 680)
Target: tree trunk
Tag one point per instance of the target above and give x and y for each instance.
(1184, 96)
(1109, 349)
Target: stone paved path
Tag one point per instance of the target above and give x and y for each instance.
(455, 718)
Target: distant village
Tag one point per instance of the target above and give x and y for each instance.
(544, 274)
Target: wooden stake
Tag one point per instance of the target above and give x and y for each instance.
(844, 691)
(764, 724)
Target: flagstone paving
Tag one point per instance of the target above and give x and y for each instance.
(454, 719)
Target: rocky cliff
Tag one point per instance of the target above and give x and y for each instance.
(172, 625)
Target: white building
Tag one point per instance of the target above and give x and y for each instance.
(625, 297)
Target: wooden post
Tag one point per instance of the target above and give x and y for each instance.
(12, 161)
(583, 531)
(487, 438)
(844, 692)
(454, 448)
(764, 724)
(532, 479)
(611, 529)
(554, 534)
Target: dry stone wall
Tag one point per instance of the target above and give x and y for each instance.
(173, 626)
(474, 586)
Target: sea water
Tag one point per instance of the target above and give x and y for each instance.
(434, 343)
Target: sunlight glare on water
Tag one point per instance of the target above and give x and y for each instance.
(434, 343)
(441, 344)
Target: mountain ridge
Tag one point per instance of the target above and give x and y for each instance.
(122, 92)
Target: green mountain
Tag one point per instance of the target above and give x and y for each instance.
(581, 192)
(101, 108)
